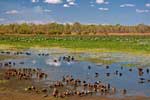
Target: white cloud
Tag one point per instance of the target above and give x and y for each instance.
(127, 5)
(2, 19)
(31, 21)
(40, 9)
(66, 6)
(106, 2)
(53, 1)
(72, 3)
(147, 5)
(92, 5)
(105, 24)
(35, 1)
(100, 1)
(47, 10)
(103, 9)
(142, 10)
(70, 0)
(12, 12)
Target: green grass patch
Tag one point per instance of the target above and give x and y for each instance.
(96, 60)
(111, 43)
(5, 57)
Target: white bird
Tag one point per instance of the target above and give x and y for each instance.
(53, 63)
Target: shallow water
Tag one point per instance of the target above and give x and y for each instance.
(122, 62)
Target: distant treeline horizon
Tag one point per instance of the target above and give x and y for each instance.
(71, 29)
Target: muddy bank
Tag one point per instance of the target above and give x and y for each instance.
(14, 89)
(12, 95)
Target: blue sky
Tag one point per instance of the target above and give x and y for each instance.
(125, 12)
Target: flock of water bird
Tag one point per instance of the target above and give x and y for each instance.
(82, 78)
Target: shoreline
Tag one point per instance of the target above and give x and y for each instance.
(75, 50)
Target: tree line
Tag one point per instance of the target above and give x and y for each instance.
(71, 29)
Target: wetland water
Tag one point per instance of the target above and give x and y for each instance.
(121, 71)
